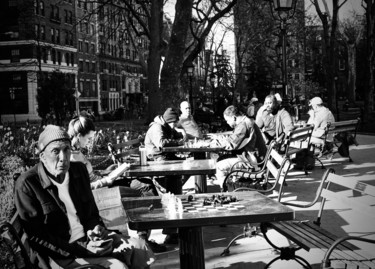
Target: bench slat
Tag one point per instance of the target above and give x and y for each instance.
(309, 236)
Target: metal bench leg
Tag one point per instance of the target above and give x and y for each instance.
(249, 231)
(286, 253)
(321, 164)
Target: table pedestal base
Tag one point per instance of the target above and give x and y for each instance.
(191, 248)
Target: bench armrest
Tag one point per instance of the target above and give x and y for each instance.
(326, 263)
(317, 194)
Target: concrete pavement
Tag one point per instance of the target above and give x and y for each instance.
(255, 252)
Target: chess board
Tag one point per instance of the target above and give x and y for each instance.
(198, 205)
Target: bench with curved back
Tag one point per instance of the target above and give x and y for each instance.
(337, 251)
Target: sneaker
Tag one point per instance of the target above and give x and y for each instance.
(155, 247)
(171, 239)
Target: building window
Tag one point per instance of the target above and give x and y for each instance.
(70, 17)
(93, 67)
(67, 58)
(36, 8)
(72, 59)
(80, 45)
(71, 38)
(80, 67)
(41, 7)
(59, 57)
(53, 35)
(44, 55)
(87, 66)
(43, 32)
(15, 55)
(87, 47)
(53, 56)
(37, 31)
(92, 49)
(57, 36)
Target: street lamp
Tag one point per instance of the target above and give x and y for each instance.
(212, 82)
(190, 73)
(12, 93)
(285, 10)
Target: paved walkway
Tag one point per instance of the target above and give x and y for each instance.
(255, 252)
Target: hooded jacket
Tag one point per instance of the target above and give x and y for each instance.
(160, 135)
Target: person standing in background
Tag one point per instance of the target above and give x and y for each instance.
(187, 122)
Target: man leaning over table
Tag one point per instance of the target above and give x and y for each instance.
(246, 140)
(163, 132)
(59, 214)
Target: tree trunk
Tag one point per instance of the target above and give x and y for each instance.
(369, 93)
(352, 72)
(154, 60)
(170, 76)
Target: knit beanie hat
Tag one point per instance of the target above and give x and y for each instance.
(170, 115)
(50, 134)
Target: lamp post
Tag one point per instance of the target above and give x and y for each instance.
(190, 73)
(212, 82)
(285, 10)
(12, 93)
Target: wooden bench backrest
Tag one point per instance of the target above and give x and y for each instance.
(349, 191)
(278, 166)
(298, 135)
(343, 126)
(124, 149)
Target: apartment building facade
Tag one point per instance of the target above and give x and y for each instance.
(90, 43)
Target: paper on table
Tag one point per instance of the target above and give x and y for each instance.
(119, 170)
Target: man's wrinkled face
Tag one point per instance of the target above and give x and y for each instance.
(271, 105)
(185, 109)
(231, 120)
(56, 157)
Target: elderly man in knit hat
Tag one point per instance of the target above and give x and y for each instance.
(163, 132)
(59, 214)
(320, 116)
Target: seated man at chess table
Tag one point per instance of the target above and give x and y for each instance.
(163, 132)
(245, 140)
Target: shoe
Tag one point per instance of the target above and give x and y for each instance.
(155, 247)
(171, 239)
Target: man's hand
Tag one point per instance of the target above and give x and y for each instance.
(182, 131)
(100, 247)
(98, 233)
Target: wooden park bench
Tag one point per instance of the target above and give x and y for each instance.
(273, 173)
(333, 129)
(336, 252)
(350, 113)
(24, 257)
(296, 141)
